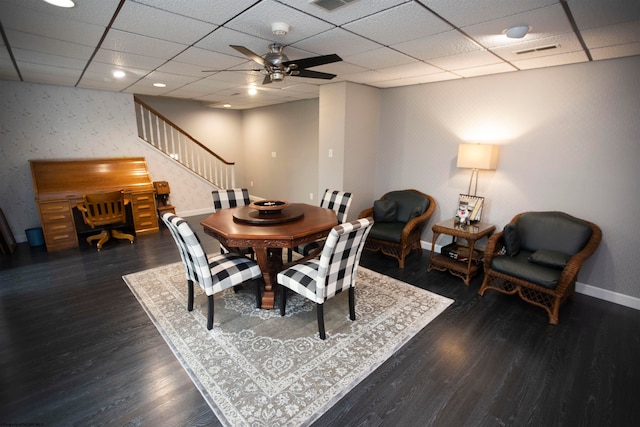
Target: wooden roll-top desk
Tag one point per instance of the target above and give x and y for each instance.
(60, 184)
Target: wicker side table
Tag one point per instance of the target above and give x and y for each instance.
(471, 233)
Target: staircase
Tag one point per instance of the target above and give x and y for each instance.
(177, 144)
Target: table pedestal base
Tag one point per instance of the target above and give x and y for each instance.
(269, 260)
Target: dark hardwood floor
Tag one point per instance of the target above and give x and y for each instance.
(76, 349)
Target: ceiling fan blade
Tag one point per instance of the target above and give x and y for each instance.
(313, 61)
(249, 54)
(244, 69)
(313, 74)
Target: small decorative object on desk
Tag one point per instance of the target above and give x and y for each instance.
(266, 207)
(462, 215)
(469, 209)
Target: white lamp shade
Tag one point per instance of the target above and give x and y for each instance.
(478, 156)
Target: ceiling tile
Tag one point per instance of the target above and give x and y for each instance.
(484, 70)
(206, 59)
(462, 13)
(128, 60)
(47, 74)
(337, 40)
(410, 70)
(96, 12)
(402, 23)
(439, 45)
(212, 11)
(148, 21)
(141, 45)
(37, 43)
(429, 78)
(61, 28)
(257, 21)
(351, 12)
(466, 60)
(28, 56)
(379, 58)
(551, 60)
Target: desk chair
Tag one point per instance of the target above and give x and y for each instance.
(107, 211)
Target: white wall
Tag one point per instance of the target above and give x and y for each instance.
(349, 117)
(570, 141)
(291, 132)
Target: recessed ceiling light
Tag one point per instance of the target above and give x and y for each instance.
(517, 32)
(61, 3)
(253, 91)
(118, 74)
(160, 85)
(227, 105)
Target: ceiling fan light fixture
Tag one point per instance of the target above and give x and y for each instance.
(517, 31)
(277, 76)
(280, 28)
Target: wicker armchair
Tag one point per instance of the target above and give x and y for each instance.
(397, 231)
(538, 256)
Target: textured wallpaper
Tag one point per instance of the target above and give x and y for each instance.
(46, 122)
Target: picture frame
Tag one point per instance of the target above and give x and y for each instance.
(8, 243)
(473, 206)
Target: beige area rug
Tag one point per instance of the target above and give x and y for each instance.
(256, 368)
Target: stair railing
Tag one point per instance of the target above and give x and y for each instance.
(167, 137)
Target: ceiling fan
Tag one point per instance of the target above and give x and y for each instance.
(277, 65)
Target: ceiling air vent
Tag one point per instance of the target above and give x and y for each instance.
(330, 4)
(537, 49)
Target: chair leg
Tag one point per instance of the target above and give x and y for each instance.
(352, 303)
(283, 299)
(189, 295)
(320, 311)
(120, 235)
(102, 238)
(210, 313)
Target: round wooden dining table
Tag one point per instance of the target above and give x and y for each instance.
(243, 227)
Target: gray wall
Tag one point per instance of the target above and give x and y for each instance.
(569, 140)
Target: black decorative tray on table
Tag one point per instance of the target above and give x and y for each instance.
(265, 212)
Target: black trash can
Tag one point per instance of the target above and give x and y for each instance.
(35, 236)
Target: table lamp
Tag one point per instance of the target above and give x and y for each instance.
(476, 157)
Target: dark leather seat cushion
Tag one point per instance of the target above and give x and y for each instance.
(519, 266)
(555, 231)
(409, 204)
(387, 231)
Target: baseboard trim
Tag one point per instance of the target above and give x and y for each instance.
(603, 294)
(583, 288)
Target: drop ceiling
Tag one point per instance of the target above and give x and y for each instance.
(383, 43)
